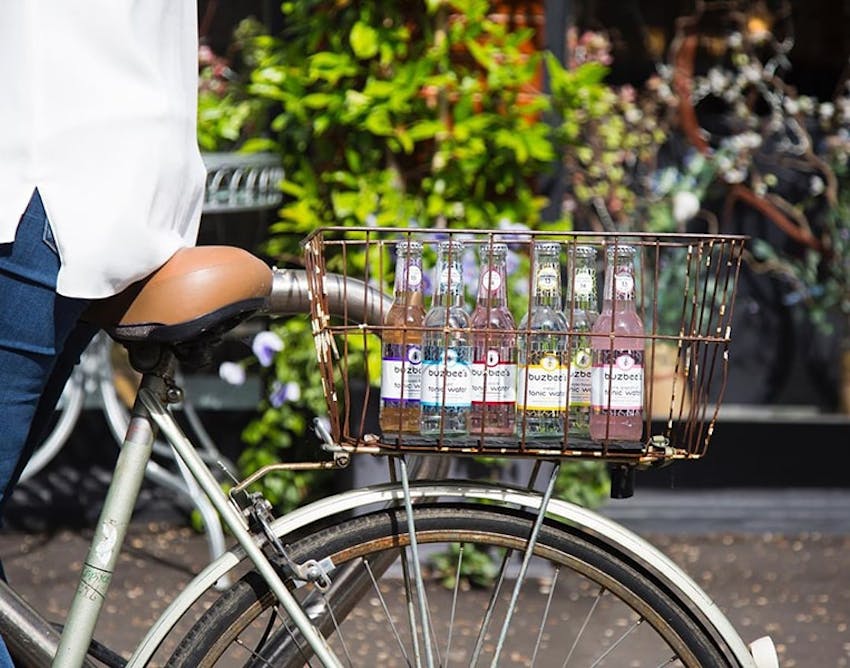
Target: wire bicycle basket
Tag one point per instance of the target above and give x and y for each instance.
(668, 386)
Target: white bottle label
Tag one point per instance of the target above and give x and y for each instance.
(497, 376)
(414, 277)
(542, 387)
(401, 374)
(491, 280)
(624, 287)
(547, 280)
(619, 386)
(446, 382)
(583, 282)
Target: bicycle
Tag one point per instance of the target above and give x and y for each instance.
(312, 576)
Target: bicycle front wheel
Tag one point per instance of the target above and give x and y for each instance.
(580, 605)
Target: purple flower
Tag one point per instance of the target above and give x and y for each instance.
(283, 392)
(265, 346)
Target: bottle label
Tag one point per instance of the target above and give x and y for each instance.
(542, 386)
(401, 374)
(547, 280)
(624, 286)
(446, 381)
(617, 381)
(497, 376)
(583, 283)
(450, 280)
(491, 280)
(414, 277)
(581, 373)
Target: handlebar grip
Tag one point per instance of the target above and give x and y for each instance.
(348, 298)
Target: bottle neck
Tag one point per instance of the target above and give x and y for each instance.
(582, 287)
(492, 284)
(546, 289)
(619, 286)
(448, 282)
(408, 279)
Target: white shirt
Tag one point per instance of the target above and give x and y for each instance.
(98, 103)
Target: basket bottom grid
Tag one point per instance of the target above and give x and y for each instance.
(505, 446)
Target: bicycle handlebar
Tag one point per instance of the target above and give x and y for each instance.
(347, 297)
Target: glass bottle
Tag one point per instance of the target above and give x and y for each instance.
(446, 351)
(617, 343)
(493, 349)
(402, 344)
(541, 385)
(581, 312)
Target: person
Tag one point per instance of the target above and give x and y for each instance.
(101, 181)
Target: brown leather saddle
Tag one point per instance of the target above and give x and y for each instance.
(196, 295)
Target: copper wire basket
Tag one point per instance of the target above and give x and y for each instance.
(684, 295)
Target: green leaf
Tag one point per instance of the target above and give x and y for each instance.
(378, 122)
(364, 41)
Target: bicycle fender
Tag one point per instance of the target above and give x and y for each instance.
(617, 538)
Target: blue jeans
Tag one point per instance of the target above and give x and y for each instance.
(40, 342)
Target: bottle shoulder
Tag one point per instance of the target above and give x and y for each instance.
(401, 314)
(544, 317)
(494, 318)
(447, 316)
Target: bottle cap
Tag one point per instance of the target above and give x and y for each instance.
(620, 250)
(495, 249)
(409, 246)
(548, 247)
(585, 252)
(452, 245)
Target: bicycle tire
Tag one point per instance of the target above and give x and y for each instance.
(626, 599)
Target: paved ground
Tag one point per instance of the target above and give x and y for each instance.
(776, 563)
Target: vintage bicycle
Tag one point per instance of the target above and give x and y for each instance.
(353, 579)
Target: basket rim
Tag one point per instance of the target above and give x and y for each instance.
(527, 234)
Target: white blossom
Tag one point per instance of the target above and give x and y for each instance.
(232, 373)
(685, 206)
(792, 106)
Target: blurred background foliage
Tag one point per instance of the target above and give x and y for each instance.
(443, 114)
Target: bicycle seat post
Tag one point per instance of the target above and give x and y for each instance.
(157, 364)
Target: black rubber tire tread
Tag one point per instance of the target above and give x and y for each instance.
(251, 595)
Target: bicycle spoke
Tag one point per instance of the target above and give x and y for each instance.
(386, 609)
(491, 607)
(256, 654)
(410, 602)
(543, 621)
(526, 560)
(584, 625)
(617, 643)
(303, 651)
(339, 633)
(455, 590)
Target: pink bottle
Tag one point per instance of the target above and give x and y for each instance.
(494, 349)
(617, 347)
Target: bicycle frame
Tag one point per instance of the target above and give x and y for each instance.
(150, 415)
